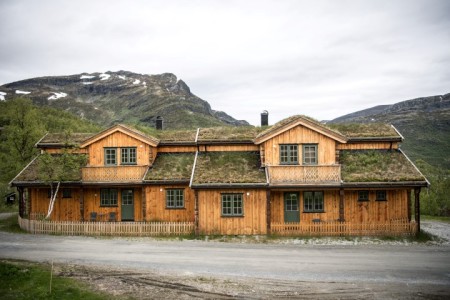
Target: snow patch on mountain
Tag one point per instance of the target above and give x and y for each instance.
(88, 82)
(87, 76)
(57, 95)
(122, 77)
(104, 76)
(2, 96)
(22, 92)
(137, 81)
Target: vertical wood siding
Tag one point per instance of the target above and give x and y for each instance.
(156, 210)
(145, 153)
(300, 135)
(212, 222)
(65, 209)
(367, 145)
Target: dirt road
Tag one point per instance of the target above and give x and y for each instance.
(145, 267)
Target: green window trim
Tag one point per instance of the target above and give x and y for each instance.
(309, 156)
(313, 201)
(110, 156)
(108, 197)
(175, 198)
(363, 196)
(288, 154)
(128, 156)
(381, 195)
(232, 205)
(291, 201)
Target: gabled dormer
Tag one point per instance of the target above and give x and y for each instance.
(119, 153)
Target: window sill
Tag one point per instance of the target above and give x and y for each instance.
(381, 200)
(176, 208)
(363, 201)
(313, 211)
(109, 206)
(237, 216)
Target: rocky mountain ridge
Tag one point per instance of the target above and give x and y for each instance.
(114, 97)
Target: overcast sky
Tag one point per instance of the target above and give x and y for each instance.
(319, 58)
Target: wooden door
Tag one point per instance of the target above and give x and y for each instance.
(291, 204)
(127, 205)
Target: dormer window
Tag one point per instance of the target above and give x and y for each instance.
(289, 154)
(110, 156)
(310, 154)
(128, 156)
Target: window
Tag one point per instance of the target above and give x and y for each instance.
(127, 197)
(381, 196)
(108, 197)
(288, 154)
(128, 156)
(110, 156)
(291, 201)
(175, 198)
(363, 195)
(310, 154)
(313, 201)
(232, 205)
(67, 193)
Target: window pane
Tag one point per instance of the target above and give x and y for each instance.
(174, 198)
(110, 156)
(232, 205)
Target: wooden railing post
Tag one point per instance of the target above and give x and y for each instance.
(269, 211)
(341, 206)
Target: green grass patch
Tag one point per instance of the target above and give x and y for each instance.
(23, 280)
(435, 218)
(10, 224)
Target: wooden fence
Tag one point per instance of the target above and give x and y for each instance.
(392, 228)
(107, 228)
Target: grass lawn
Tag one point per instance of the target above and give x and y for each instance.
(435, 218)
(24, 280)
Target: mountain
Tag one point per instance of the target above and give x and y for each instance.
(424, 122)
(113, 97)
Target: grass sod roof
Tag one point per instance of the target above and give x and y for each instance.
(293, 119)
(228, 168)
(377, 166)
(229, 133)
(33, 172)
(64, 138)
(171, 167)
(370, 130)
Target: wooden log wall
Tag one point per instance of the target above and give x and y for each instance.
(236, 147)
(92, 203)
(65, 209)
(396, 207)
(174, 148)
(372, 211)
(212, 222)
(331, 207)
(367, 145)
(156, 210)
(300, 135)
(145, 153)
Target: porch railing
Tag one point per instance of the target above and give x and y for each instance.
(294, 174)
(107, 228)
(113, 174)
(390, 228)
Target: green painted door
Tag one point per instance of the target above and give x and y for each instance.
(127, 205)
(291, 203)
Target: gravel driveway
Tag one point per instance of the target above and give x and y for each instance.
(151, 268)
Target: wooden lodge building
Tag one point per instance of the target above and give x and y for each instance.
(294, 177)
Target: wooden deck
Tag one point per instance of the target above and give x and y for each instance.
(294, 174)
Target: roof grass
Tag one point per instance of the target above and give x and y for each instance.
(359, 130)
(65, 138)
(229, 133)
(228, 168)
(377, 166)
(171, 167)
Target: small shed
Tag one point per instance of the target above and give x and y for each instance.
(10, 198)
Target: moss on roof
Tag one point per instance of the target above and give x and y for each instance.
(229, 133)
(64, 138)
(292, 119)
(33, 172)
(228, 167)
(359, 130)
(377, 166)
(171, 167)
